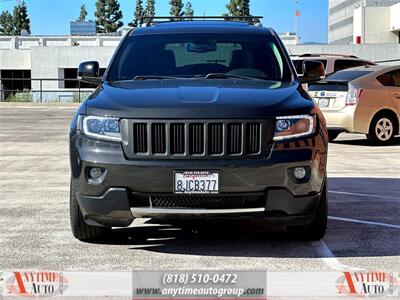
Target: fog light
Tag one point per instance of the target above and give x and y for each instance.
(96, 175)
(300, 173)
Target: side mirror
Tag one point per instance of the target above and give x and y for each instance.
(313, 70)
(89, 71)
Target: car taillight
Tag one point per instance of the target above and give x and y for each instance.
(353, 95)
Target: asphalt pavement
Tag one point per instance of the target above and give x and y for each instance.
(363, 230)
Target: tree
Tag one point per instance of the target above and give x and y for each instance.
(150, 10)
(83, 14)
(238, 8)
(189, 10)
(108, 16)
(138, 15)
(6, 23)
(176, 8)
(21, 19)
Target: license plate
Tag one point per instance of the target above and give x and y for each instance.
(196, 182)
(323, 102)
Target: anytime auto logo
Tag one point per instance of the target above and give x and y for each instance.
(367, 284)
(35, 284)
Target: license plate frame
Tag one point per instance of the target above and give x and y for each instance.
(195, 182)
(324, 102)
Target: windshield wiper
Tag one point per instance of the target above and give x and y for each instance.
(145, 77)
(228, 75)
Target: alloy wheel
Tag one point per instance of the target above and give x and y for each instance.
(384, 129)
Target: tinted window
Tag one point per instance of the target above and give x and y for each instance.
(298, 64)
(347, 75)
(396, 78)
(188, 55)
(330, 86)
(390, 78)
(343, 64)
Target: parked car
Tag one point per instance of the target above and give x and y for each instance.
(332, 62)
(362, 100)
(199, 119)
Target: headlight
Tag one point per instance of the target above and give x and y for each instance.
(101, 128)
(293, 127)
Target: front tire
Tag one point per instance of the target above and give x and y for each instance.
(382, 130)
(317, 228)
(80, 229)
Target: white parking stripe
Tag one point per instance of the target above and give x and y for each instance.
(365, 222)
(365, 195)
(328, 257)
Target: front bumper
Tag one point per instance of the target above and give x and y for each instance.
(113, 201)
(114, 209)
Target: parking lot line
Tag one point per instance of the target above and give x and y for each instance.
(365, 195)
(328, 257)
(364, 222)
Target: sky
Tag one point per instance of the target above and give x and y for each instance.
(52, 17)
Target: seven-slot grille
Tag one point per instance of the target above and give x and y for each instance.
(198, 139)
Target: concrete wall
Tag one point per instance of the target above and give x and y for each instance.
(15, 60)
(27, 42)
(350, 18)
(373, 25)
(49, 62)
(373, 52)
(395, 17)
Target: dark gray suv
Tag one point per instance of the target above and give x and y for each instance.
(199, 119)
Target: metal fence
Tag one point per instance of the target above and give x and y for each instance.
(44, 90)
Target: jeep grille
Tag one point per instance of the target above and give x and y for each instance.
(180, 139)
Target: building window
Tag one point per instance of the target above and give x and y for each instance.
(14, 81)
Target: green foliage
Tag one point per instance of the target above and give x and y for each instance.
(108, 16)
(189, 10)
(21, 19)
(238, 8)
(83, 13)
(24, 96)
(150, 10)
(176, 8)
(138, 15)
(6, 23)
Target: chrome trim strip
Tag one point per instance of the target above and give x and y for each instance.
(146, 211)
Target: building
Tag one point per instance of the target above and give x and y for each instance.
(82, 28)
(364, 21)
(289, 38)
(44, 68)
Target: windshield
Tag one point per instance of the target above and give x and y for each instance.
(198, 55)
(346, 75)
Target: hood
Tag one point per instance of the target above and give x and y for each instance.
(198, 99)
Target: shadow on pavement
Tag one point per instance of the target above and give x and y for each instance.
(361, 142)
(349, 198)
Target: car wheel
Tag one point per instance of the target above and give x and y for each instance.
(332, 135)
(382, 130)
(80, 229)
(317, 228)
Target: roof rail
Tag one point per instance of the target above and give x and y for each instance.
(326, 54)
(248, 19)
